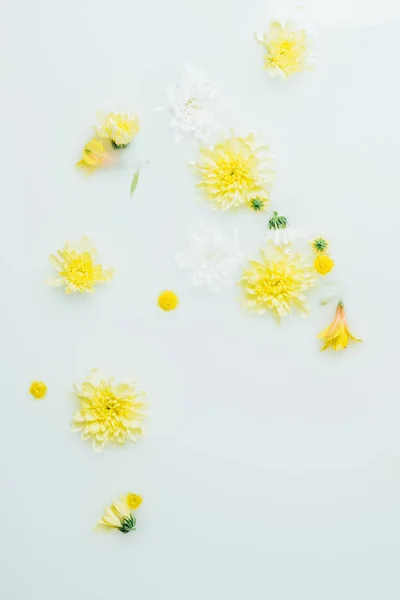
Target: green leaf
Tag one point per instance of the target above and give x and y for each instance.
(135, 181)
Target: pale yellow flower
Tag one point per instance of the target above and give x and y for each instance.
(119, 128)
(38, 389)
(168, 300)
(287, 49)
(323, 264)
(133, 501)
(109, 411)
(119, 516)
(93, 155)
(235, 172)
(277, 281)
(337, 335)
(76, 267)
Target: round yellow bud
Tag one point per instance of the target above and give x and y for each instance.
(133, 501)
(323, 264)
(168, 300)
(38, 389)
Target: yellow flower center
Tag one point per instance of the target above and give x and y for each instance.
(79, 269)
(38, 389)
(133, 501)
(168, 300)
(275, 282)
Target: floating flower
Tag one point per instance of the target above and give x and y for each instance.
(235, 172)
(287, 49)
(323, 264)
(319, 244)
(133, 501)
(279, 232)
(337, 335)
(277, 282)
(195, 106)
(93, 155)
(119, 128)
(119, 514)
(212, 258)
(109, 411)
(38, 389)
(168, 300)
(76, 267)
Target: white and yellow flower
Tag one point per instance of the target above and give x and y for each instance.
(119, 128)
(119, 514)
(77, 269)
(109, 411)
(288, 49)
(236, 171)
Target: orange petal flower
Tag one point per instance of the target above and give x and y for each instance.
(337, 335)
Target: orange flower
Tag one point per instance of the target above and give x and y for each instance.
(337, 334)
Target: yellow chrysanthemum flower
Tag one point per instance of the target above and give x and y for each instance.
(287, 49)
(235, 172)
(119, 515)
(119, 128)
(38, 389)
(76, 267)
(337, 335)
(168, 300)
(277, 281)
(323, 264)
(109, 412)
(133, 501)
(93, 155)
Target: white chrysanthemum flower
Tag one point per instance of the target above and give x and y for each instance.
(212, 258)
(194, 105)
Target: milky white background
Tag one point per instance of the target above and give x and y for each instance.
(269, 470)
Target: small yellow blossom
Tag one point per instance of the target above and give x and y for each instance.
(323, 264)
(337, 335)
(93, 155)
(109, 411)
(133, 501)
(319, 244)
(235, 172)
(38, 389)
(76, 267)
(119, 128)
(119, 515)
(287, 49)
(277, 281)
(168, 300)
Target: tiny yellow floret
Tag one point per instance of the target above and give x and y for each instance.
(323, 264)
(38, 389)
(133, 501)
(168, 300)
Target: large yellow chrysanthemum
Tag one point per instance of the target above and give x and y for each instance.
(235, 171)
(76, 267)
(109, 412)
(287, 49)
(277, 281)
